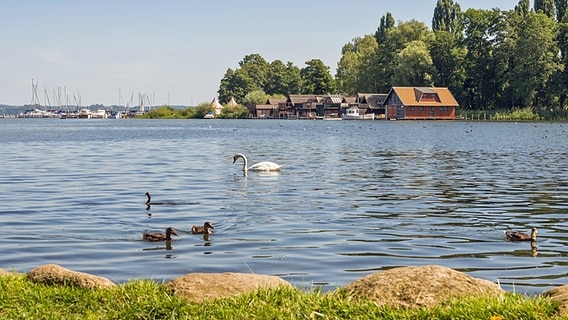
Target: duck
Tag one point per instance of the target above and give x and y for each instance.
(207, 228)
(521, 236)
(260, 166)
(149, 201)
(153, 237)
(170, 203)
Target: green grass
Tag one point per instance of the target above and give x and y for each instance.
(146, 299)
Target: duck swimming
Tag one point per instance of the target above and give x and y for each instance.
(207, 228)
(153, 237)
(170, 203)
(520, 236)
(260, 166)
(149, 201)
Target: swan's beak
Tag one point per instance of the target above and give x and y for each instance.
(234, 160)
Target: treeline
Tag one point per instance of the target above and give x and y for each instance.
(489, 59)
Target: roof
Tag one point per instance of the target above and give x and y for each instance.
(334, 98)
(276, 101)
(423, 96)
(232, 102)
(373, 99)
(302, 98)
(215, 103)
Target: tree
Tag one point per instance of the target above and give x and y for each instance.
(235, 84)
(413, 66)
(523, 8)
(355, 69)
(545, 6)
(316, 78)
(448, 57)
(395, 41)
(256, 69)
(386, 22)
(255, 97)
(562, 75)
(234, 112)
(561, 7)
(282, 79)
(447, 17)
(481, 85)
(535, 57)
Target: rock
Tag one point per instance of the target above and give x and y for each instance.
(198, 287)
(3, 272)
(422, 286)
(54, 274)
(559, 294)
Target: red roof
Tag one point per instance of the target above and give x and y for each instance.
(424, 97)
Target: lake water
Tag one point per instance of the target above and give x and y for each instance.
(354, 198)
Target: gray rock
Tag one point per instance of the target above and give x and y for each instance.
(54, 274)
(422, 286)
(199, 287)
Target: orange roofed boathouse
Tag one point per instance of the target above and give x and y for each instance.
(420, 103)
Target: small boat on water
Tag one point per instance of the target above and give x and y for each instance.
(352, 113)
(85, 114)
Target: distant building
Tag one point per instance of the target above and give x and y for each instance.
(413, 103)
(216, 106)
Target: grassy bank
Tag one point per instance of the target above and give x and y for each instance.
(145, 299)
(522, 114)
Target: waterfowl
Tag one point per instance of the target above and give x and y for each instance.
(171, 203)
(520, 236)
(260, 166)
(207, 228)
(153, 237)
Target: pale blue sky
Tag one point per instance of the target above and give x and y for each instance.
(175, 51)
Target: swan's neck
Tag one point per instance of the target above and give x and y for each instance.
(149, 198)
(245, 163)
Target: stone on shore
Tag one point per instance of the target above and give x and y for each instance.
(55, 274)
(198, 287)
(559, 294)
(422, 286)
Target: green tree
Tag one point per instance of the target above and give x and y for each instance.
(355, 69)
(413, 66)
(535, 58)
(234, 112)
(255, 97)
(256, 69)
(316, 78)
(235, 84)
(482, 83)
(386, 22)
(561, 7)
(447, 17)
(561, 78)
(282, 79)
(396, 40)
(545, 6)
(523, 8)
(448, 58)
(202, 109)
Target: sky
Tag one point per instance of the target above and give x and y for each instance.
(174, 52)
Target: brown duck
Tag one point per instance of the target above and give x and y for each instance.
(153, 237)
(521, 236)
(207, 228)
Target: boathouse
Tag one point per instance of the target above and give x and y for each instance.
(420, 103)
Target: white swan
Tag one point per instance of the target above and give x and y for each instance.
(261, 166)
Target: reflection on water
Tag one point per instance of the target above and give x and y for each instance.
(354, 197)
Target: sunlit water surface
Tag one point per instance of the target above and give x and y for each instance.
(354, 198)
